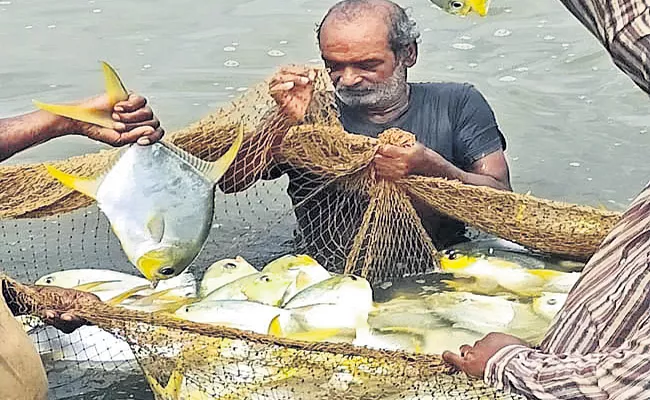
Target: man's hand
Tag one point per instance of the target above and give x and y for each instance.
(67, 300)
(473, 359)
(395, 162)
(134, 122)
(292, 88)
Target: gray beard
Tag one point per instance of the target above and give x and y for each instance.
(379, 95)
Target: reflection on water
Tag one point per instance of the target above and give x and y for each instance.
(577, 128)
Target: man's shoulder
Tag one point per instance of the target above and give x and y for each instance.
(444, 88)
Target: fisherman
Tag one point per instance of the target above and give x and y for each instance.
(367, 47)
(22, 375)
(598, 346)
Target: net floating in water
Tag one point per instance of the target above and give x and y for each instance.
(346, 219)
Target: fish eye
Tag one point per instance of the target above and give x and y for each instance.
(354, 278)
(265, 278)
(167, 271)
(456, 5)
(230, 265)
(49, 280)
(453, 255)
(552, 302)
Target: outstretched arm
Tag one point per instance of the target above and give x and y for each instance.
(134, 121)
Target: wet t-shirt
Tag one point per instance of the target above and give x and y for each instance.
(452, 119)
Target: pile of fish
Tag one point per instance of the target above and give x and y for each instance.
(295, 297)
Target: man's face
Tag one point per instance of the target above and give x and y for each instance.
(361, 64)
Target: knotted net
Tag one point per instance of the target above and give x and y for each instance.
(313, 192)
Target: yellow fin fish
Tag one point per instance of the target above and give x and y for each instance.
(158, 189)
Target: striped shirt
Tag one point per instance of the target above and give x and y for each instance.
(598, 346)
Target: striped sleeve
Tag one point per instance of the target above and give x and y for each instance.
(622, 373)
(623, 27)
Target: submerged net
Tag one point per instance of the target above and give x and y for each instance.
(336, 211)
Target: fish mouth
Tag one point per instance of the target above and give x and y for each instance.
(156, 265)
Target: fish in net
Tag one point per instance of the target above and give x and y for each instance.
(339, 214)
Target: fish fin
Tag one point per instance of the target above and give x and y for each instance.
(545, 273)
(123, 296)
(302, 280)
(86, 287)
(479, 6)
(211, 170)
(305, 259)
(159, 295)
(78, 113)
(115, 90)
(87, 186)
(113, 84)
(275, 329)
(156, 227)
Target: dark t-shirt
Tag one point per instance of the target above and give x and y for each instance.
(452, 119)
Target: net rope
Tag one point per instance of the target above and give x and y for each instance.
(339, 212)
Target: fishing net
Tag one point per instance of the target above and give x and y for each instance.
(313, 192)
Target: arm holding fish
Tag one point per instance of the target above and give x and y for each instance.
(66, 300)
(134, 121)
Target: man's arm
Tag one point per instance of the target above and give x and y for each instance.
(622, 373)
(134, 121)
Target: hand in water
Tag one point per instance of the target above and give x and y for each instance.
(292, 88)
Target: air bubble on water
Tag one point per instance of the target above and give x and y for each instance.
(450, 67)
(549, 37)
(462, 46)
(502, 33)
(472, 65)
(231, 63)
(594, 68)
(643, 131)
(284, 41)
(242, 89)
(275, 53)
(507, 78)
(215, 83)
(571, 55)
(574, 164)
(196, 104)
(230, 88)
(97, 10)
(507, 10)
(465, 37)
(146, 66)
(590, 179)
(554, 57)
(565, 45)
(51, 26)
(235, 43)
(426, 30)
(29, 26)
(229, 48)
(521, 69)
(617, 144)
(52, 86)
(582, 97)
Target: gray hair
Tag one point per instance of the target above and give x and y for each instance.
(402, 31)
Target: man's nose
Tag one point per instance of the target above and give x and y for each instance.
(349, 77)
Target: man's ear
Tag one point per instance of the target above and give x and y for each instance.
(411, 55)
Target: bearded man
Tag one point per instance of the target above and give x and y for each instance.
(367, 47)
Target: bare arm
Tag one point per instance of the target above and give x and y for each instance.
(134, 121)
(21, 132)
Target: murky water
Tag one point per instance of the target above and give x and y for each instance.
(577, 128)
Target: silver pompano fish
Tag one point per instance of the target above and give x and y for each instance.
(158, 198)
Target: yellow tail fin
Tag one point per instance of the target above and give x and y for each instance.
(87, 287)
(123, 296)
(115, 90)
(87, 186)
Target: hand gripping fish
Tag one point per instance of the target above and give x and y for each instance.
(158, 198)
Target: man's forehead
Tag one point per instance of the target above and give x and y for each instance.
(371, 31)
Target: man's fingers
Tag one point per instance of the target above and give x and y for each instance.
(152, 138)
(131, 104)
(391, 151)
(282, 87)
(133, 135)
(464, 349)
(124, 127)
(453, 359)
(139, 115)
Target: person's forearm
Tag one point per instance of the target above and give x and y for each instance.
(445, 169)
(21, 132)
